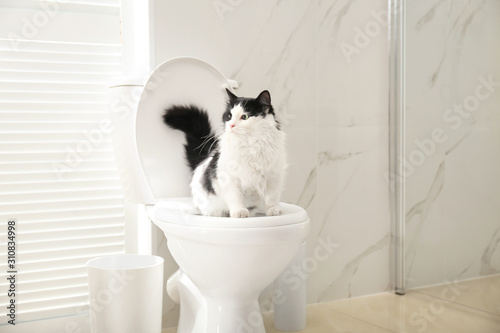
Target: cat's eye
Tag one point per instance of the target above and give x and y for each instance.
(244, 117)
(229, 116)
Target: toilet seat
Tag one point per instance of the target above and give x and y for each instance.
(179, 211)
(169, 216)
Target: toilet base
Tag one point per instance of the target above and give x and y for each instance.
(201, 314)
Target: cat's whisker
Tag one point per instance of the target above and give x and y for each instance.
(205, 142)
(202, 145)
(210, 149)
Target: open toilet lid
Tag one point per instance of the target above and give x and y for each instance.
(160, 149)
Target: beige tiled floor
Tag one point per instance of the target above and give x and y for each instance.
(465, 307)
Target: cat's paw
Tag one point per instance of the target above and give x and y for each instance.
(274, 211)
(239, 213)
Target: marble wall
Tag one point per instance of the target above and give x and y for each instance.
(452, 140)
(326, 66)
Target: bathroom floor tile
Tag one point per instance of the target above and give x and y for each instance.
(321, 319)
(169, 330)
(417, 313)
(481, 294)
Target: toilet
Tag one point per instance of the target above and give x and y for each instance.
(224, 263)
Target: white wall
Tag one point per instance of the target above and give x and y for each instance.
(326, 66)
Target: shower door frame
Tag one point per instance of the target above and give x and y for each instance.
(396, 177)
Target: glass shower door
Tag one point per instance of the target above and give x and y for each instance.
(448, 158)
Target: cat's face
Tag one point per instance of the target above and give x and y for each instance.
(243, 115)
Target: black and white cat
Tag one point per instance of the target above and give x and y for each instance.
(240, 168)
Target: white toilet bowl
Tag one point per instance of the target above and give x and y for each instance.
(225, 263)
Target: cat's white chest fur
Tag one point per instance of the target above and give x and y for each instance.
(253, 165)
(252, 160)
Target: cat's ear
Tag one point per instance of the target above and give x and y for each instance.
(265, 98)
(232, 96)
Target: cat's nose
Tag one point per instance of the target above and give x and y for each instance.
(231, 125)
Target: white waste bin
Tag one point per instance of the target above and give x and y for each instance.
(126, 293)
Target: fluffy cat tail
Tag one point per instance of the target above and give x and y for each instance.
(194, 122)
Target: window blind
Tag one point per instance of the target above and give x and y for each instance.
(58, 179)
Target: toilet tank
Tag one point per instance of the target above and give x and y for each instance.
(150, 156)
(123, 101)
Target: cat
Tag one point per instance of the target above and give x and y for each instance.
(241, 169)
